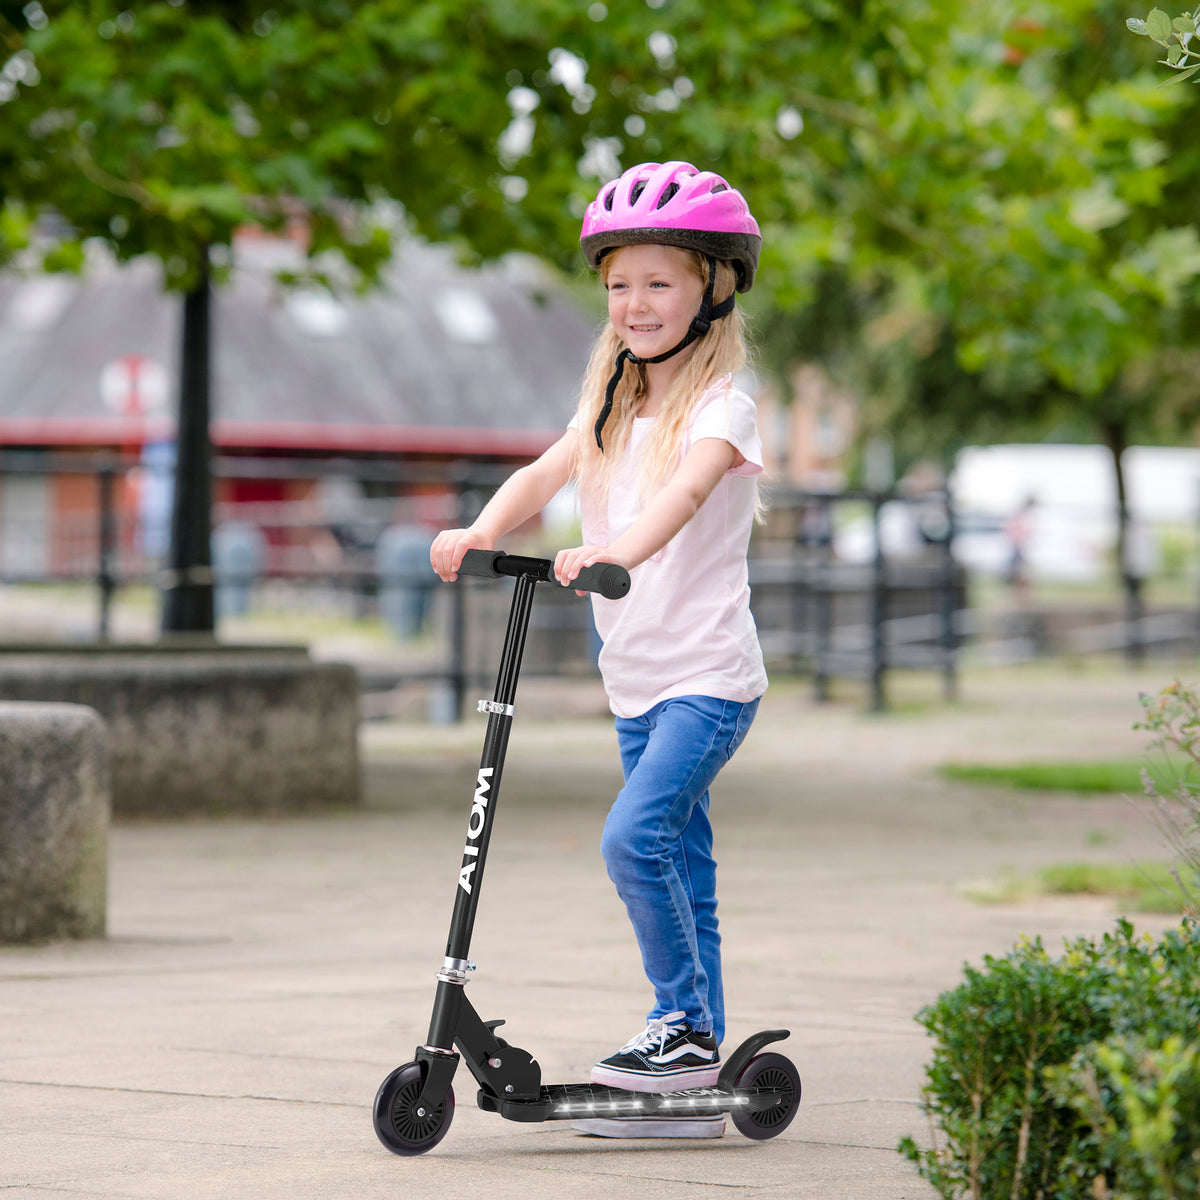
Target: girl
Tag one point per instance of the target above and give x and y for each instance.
(665, 452)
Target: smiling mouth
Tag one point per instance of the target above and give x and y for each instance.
(645, 328)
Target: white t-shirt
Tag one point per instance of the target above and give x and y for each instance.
(685, 628)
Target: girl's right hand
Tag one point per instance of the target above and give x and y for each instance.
(446, 553)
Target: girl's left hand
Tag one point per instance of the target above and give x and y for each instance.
(568, 563)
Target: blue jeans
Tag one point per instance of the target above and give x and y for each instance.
(658, 847)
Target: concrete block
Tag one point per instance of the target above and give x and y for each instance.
(192, 731)
(54, 812)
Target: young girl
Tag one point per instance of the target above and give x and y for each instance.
(665, 451)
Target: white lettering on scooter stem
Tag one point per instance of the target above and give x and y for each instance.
(475, 827)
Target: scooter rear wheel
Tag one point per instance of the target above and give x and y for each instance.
(768, 1071)
(400, 1123)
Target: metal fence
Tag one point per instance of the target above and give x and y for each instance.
(829, 618)
(827, 605)
(368, 543)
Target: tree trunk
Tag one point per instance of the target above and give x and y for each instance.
(188, 593)
(1116, 438)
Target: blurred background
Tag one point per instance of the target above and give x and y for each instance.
(286, 288)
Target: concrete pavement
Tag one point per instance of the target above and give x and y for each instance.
(261, 977)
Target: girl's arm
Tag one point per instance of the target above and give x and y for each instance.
(664, 516)
(523, 494)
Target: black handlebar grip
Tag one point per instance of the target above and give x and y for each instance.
(609, 579)
(481, 562)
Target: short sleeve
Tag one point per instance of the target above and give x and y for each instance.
(729, 414)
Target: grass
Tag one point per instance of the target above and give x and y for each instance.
(1117, 775)
(1145, 887)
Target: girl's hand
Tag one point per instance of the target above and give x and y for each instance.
(446, 553)
(568, 563)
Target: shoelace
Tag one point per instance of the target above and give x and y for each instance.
(658, 1030)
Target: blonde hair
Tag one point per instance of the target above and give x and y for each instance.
(719, 352)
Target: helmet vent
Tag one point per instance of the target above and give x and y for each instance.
(608, 199)
(636, 191)
(719, 187)
(668, 192)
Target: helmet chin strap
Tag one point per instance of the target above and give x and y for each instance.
(701, 323)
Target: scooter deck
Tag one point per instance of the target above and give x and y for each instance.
(567, 1101)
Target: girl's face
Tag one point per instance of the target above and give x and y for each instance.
(653, 294)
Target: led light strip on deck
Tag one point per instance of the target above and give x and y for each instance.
(637, 1106)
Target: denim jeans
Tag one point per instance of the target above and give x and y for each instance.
(658, 847)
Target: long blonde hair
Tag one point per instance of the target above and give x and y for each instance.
(719, 352)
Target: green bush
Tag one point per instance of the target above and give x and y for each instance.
(1038, 1060)
(1173, 718)
(1079, 1076)
(1139, 1102)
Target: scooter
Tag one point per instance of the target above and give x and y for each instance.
(415, 1103)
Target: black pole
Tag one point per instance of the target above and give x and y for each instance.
(458, 600)
(949, 605)
(878, 609)
(823, 600)
(105, 576)
(188, 588)
(1135, 610)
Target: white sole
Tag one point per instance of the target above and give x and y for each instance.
(679, 1081)
(652, 1127)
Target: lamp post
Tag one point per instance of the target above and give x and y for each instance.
(188, 586)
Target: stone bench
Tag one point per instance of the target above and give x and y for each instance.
(212, 729)
(54, 810)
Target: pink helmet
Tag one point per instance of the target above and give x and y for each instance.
(673, 204)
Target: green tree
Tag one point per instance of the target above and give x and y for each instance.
(1022, 252)
(164, 127)
(1004, 203)
(1083, 287)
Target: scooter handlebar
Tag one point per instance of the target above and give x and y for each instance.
(608, 579)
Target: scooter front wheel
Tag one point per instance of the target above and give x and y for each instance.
(779, 1074)
(401, 1124)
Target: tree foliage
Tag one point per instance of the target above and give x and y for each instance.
(1176, 36)
(164, 127)
(1001, 195)
(1046, 188)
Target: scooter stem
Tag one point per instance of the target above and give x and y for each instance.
(483, 813)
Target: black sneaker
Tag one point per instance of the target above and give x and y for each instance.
(667, 1056)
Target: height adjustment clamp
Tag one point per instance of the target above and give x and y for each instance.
(455, 970)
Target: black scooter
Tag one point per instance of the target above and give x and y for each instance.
(415, 1103)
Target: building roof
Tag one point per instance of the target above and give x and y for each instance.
(440, 359)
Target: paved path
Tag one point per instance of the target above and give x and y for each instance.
(262, 977)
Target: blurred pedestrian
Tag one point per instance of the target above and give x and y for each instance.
(1019, 529)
